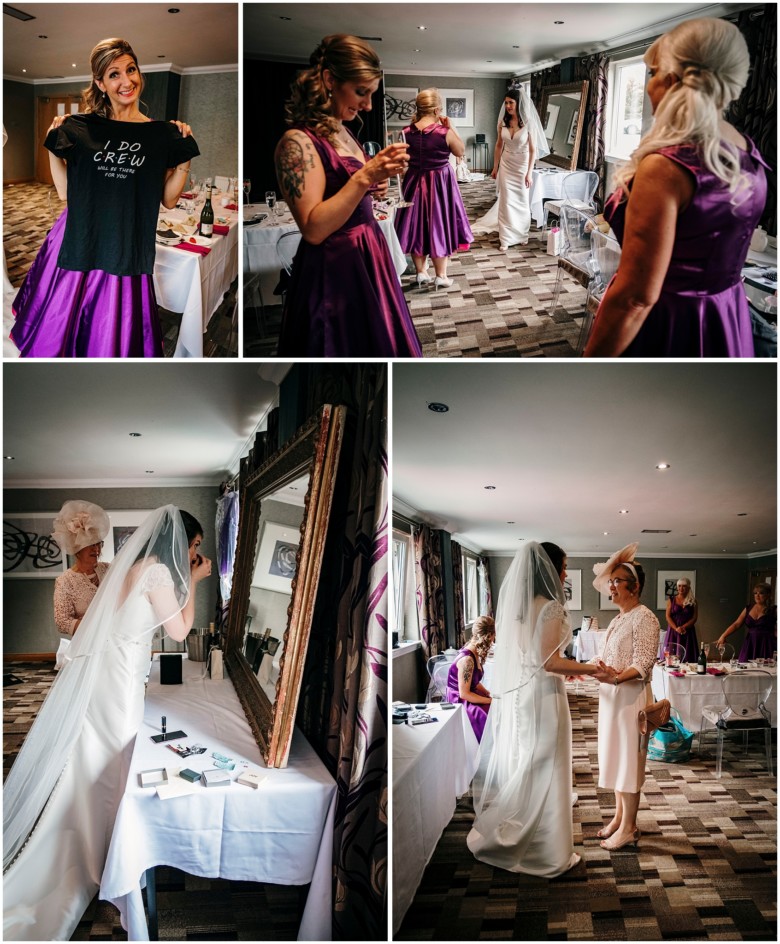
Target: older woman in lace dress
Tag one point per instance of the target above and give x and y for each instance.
(629, 654)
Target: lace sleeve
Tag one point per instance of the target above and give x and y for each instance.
(554, 611)
(646, 632)
(64, 610)
(155, 577)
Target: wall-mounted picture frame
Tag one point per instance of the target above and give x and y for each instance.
(400, 105)
(275, 564)
(458, 106)
(667, 585)
(605, 602)
(551, 120)
(29, 550)
(573, 128)
(572, 589)
(123, 524)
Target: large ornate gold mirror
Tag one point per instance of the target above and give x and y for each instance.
(563, 110)
(283, 523)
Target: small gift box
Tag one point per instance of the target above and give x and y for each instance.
(252, 778)
(151, 778)
(215, 778)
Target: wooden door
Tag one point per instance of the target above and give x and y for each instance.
(47, 109)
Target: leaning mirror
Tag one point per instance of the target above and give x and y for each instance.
(563, 109)
(285, 508)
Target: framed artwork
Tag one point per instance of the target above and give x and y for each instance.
(275, 564)
(667, 585)
(399, 105)
(458, 106)
(605, 602)
(123, 523)
(572, 589)
(551, 120)
(29, 551)
(573, 127)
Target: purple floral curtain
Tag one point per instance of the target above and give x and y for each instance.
(430, 589)
(486, 597)
(595, 69)
(755, 112)
(457, 583)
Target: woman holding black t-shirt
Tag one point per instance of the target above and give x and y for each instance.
(90, 292)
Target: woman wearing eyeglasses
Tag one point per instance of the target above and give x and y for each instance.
(760, 622)
(629, 654)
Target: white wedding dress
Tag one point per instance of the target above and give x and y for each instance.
(511, 213)
(63, 791)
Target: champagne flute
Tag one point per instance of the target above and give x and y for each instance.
(707, 651)
(721, 651)
(247, 188)
(399, 201)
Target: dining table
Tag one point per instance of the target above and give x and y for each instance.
(279, 831)
(433, 764)
(263, 228)
(191, 276)
(690, 692)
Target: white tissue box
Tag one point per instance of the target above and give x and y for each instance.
(217, 670)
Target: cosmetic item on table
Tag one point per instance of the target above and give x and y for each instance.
(152, 778)
(215, 778)
(192, 775)
(447, 706)
(252, 778)
(170, 668)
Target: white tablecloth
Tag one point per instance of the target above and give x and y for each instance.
(260, 248)
(281, 832)
(194, 285)
(690, 694)
(589, 644)
(433, 764)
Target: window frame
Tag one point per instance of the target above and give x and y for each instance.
(613, 121)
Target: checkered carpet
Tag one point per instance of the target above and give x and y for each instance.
(189, 908)
(705, 868)
(30, 211)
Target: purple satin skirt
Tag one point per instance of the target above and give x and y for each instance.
(62, 313)
(760, 642)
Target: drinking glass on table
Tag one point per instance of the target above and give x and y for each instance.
(707, 651)
(721, 650)
(247, 188)
(733, 662)
(270, 202)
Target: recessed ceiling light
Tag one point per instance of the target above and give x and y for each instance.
(623, 511)
(515, 47)
(161, 56)
(418, 50)
(288, 18)
(438, 407)
(488, 60)
(134, 434)
(742, 514)
(24, 70)
(693, 535)
(510, 522)
(422, 27)
(150, 471)
(489, 488)
(9, 457)
(558, 22)
(174, 10)
(605, 533)
(41, 36)
(73, 64)
(663, 465)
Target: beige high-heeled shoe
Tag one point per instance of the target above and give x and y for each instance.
(632, 840)
(440, 282)
(423, 279)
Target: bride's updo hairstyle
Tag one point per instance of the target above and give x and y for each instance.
(709, 58)
(483, 632)
(427, 103)
(100, 59)
(348, 59)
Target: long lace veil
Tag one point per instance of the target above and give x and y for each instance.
(531, 624)
(161, 538)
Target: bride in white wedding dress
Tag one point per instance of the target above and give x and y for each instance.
(519, 142)
(63, 790)
(522, 791)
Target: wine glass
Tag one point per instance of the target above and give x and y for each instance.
(707, 651)
(399, 138)
(247, 188)
(721, 650)
(270, 201)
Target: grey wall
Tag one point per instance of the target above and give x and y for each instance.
(28, 619)
(209, 102)
(488, 96)
(267, 608)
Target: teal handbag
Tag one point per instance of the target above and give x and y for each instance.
(671, 742)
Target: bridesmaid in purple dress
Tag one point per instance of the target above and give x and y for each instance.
(344, 298)
(760, 622)
(464, 680)
(685, 208)
(682, 611)
(435, 224)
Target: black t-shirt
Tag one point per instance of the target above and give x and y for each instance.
(116, 175)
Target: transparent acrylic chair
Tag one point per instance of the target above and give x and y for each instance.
(742, 708)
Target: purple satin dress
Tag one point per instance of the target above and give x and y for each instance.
(681, 614)
(345, 298)
(477, 714)
(760, 637)
(64, 313)
(702, 310)
(436, 224)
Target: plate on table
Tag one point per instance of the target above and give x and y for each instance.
(167, 237)
(254, 216)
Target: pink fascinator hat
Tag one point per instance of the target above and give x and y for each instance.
(79, 524)
(604, 571)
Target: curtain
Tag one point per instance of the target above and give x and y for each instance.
(755, 112)
(457, 584)
(595, 69)
(486, 593)
(430, 589)
(540, 81)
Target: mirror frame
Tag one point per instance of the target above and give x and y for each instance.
(582, 87)
(314, 448)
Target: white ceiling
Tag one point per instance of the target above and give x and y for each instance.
(200, 36)
(568, 445)
(463, 38)
(69, 425)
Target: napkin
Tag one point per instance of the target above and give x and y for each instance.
(678, 674)
(715, 672)
(231, 206)
(221, 230)
(194, 247)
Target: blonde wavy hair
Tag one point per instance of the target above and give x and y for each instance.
(348, 59)
(101, 57)
(426, 103)
(689, 599)
(483, 633)
(710, 60)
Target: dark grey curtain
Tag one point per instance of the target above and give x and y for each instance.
(595, 69)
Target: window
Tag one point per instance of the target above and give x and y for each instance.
(474, 591)
(625, 106)
(404, 616)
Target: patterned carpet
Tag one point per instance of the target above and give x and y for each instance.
(29, 212)
(189, 908)
(705, 868)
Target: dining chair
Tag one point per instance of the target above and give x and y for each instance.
(253, 300)
(575, 251)
(286, 247)
(742, 708)
(578, 188)
(604, 261)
